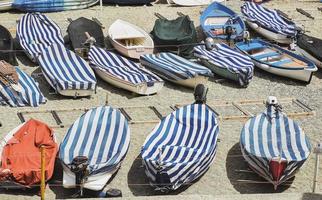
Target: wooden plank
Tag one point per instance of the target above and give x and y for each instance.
(246, 112)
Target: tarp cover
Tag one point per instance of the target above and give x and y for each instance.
(21, 153)
(179, 31)
(6, 44)
(311, 45)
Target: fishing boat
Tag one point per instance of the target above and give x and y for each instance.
(181, 147)
(127, 2)
(130, 40)
(18, 89)
(277, 60)
(226, 62)
(7, 52)
(192, 2)
(67, 73)
(51, 5)
(269, 23)
(93, 148)
(220, 22)
(309, 47)
(123, 73)
(273, 145)
(36, 32)
(176, 69)
(5, 5)
(21, 155)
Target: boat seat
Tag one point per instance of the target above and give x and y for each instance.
(251, 46)
(279, 63)
(266, 55)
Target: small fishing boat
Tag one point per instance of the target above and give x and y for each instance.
(269, 23)
(309, 47)
(67, 73)
(192, 2)
(274, 146)
(130, 40)
(128, 2)
(51, 5)
(7, 52)
(176, 69)
(21, 155)
(123, 73)
(277, 60)
(220, 22)
(5, 5)
(181, 147)
(18, 89)
(93, 148)
(36, 32)
(226, 62)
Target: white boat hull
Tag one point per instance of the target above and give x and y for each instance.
(5, 5)
(192, 82)
(75, 93)
(141, 89)
(283, 39)
(132, 52)
(304, 53)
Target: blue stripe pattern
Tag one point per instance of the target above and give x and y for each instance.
(36, 32)
(102, 135)
(181, 147)
(173, 67)
(268, 19)
(224, 56)
(120, 67)
(64, 70)
(30, 94)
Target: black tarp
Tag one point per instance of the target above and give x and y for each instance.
(312, 45)
(7, 47)
(180, 31)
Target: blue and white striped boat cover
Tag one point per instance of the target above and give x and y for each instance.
(30, 95)
(224, 56)
(120, 67)
(268, 19)
(64, 70)
(102, 135)
(181, 147)
(36, 32)
(173, 67)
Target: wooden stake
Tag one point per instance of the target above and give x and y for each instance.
(43, 178)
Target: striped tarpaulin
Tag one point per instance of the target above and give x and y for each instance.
(30, 94)
(225, 57)
(51, 5)
(120, 67)
(270, 135)
(173, 67)
(181, 147)
(102, 135)
(268, 19)
(36, 32)
(64, 70)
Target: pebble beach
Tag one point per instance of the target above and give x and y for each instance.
(229, 176)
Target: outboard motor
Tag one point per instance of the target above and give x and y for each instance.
(209, 43)
(200, 94)
(246, 37)
(229, 31)
(79, 167)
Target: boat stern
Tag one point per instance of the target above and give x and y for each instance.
(277, 168)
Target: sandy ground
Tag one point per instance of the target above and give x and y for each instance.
(222, 178)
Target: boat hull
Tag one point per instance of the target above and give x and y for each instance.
(307, 55)
(132, 52)
(5, 6)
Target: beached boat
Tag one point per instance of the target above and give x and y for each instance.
(226, 62)
(51, 5)
(192, 2)
(277, 60)
(36, 32)
(220, 22)
(176, 69)
(269, 23)
(274, 146)
(309, 47)
(128, 2)
(21, 158)
(94, 147)
(181, 147)
(5, 5)
(123, 73)
(18, 89)
(7, 52)
(130, 40)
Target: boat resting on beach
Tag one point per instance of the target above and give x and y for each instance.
(309, 47)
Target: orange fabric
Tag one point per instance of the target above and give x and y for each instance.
(22, 156)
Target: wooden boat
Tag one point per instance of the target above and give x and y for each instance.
(274, 146)
(130, 40)
(123, 73)
(277, 60)
(176, 69)
(192, 2)
(21, 158)
(269, 23)
(219, 21)
(93, 148)
(5, 5)
(309, 47)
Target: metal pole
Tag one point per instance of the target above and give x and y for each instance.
(43, 179)
(317, 151)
